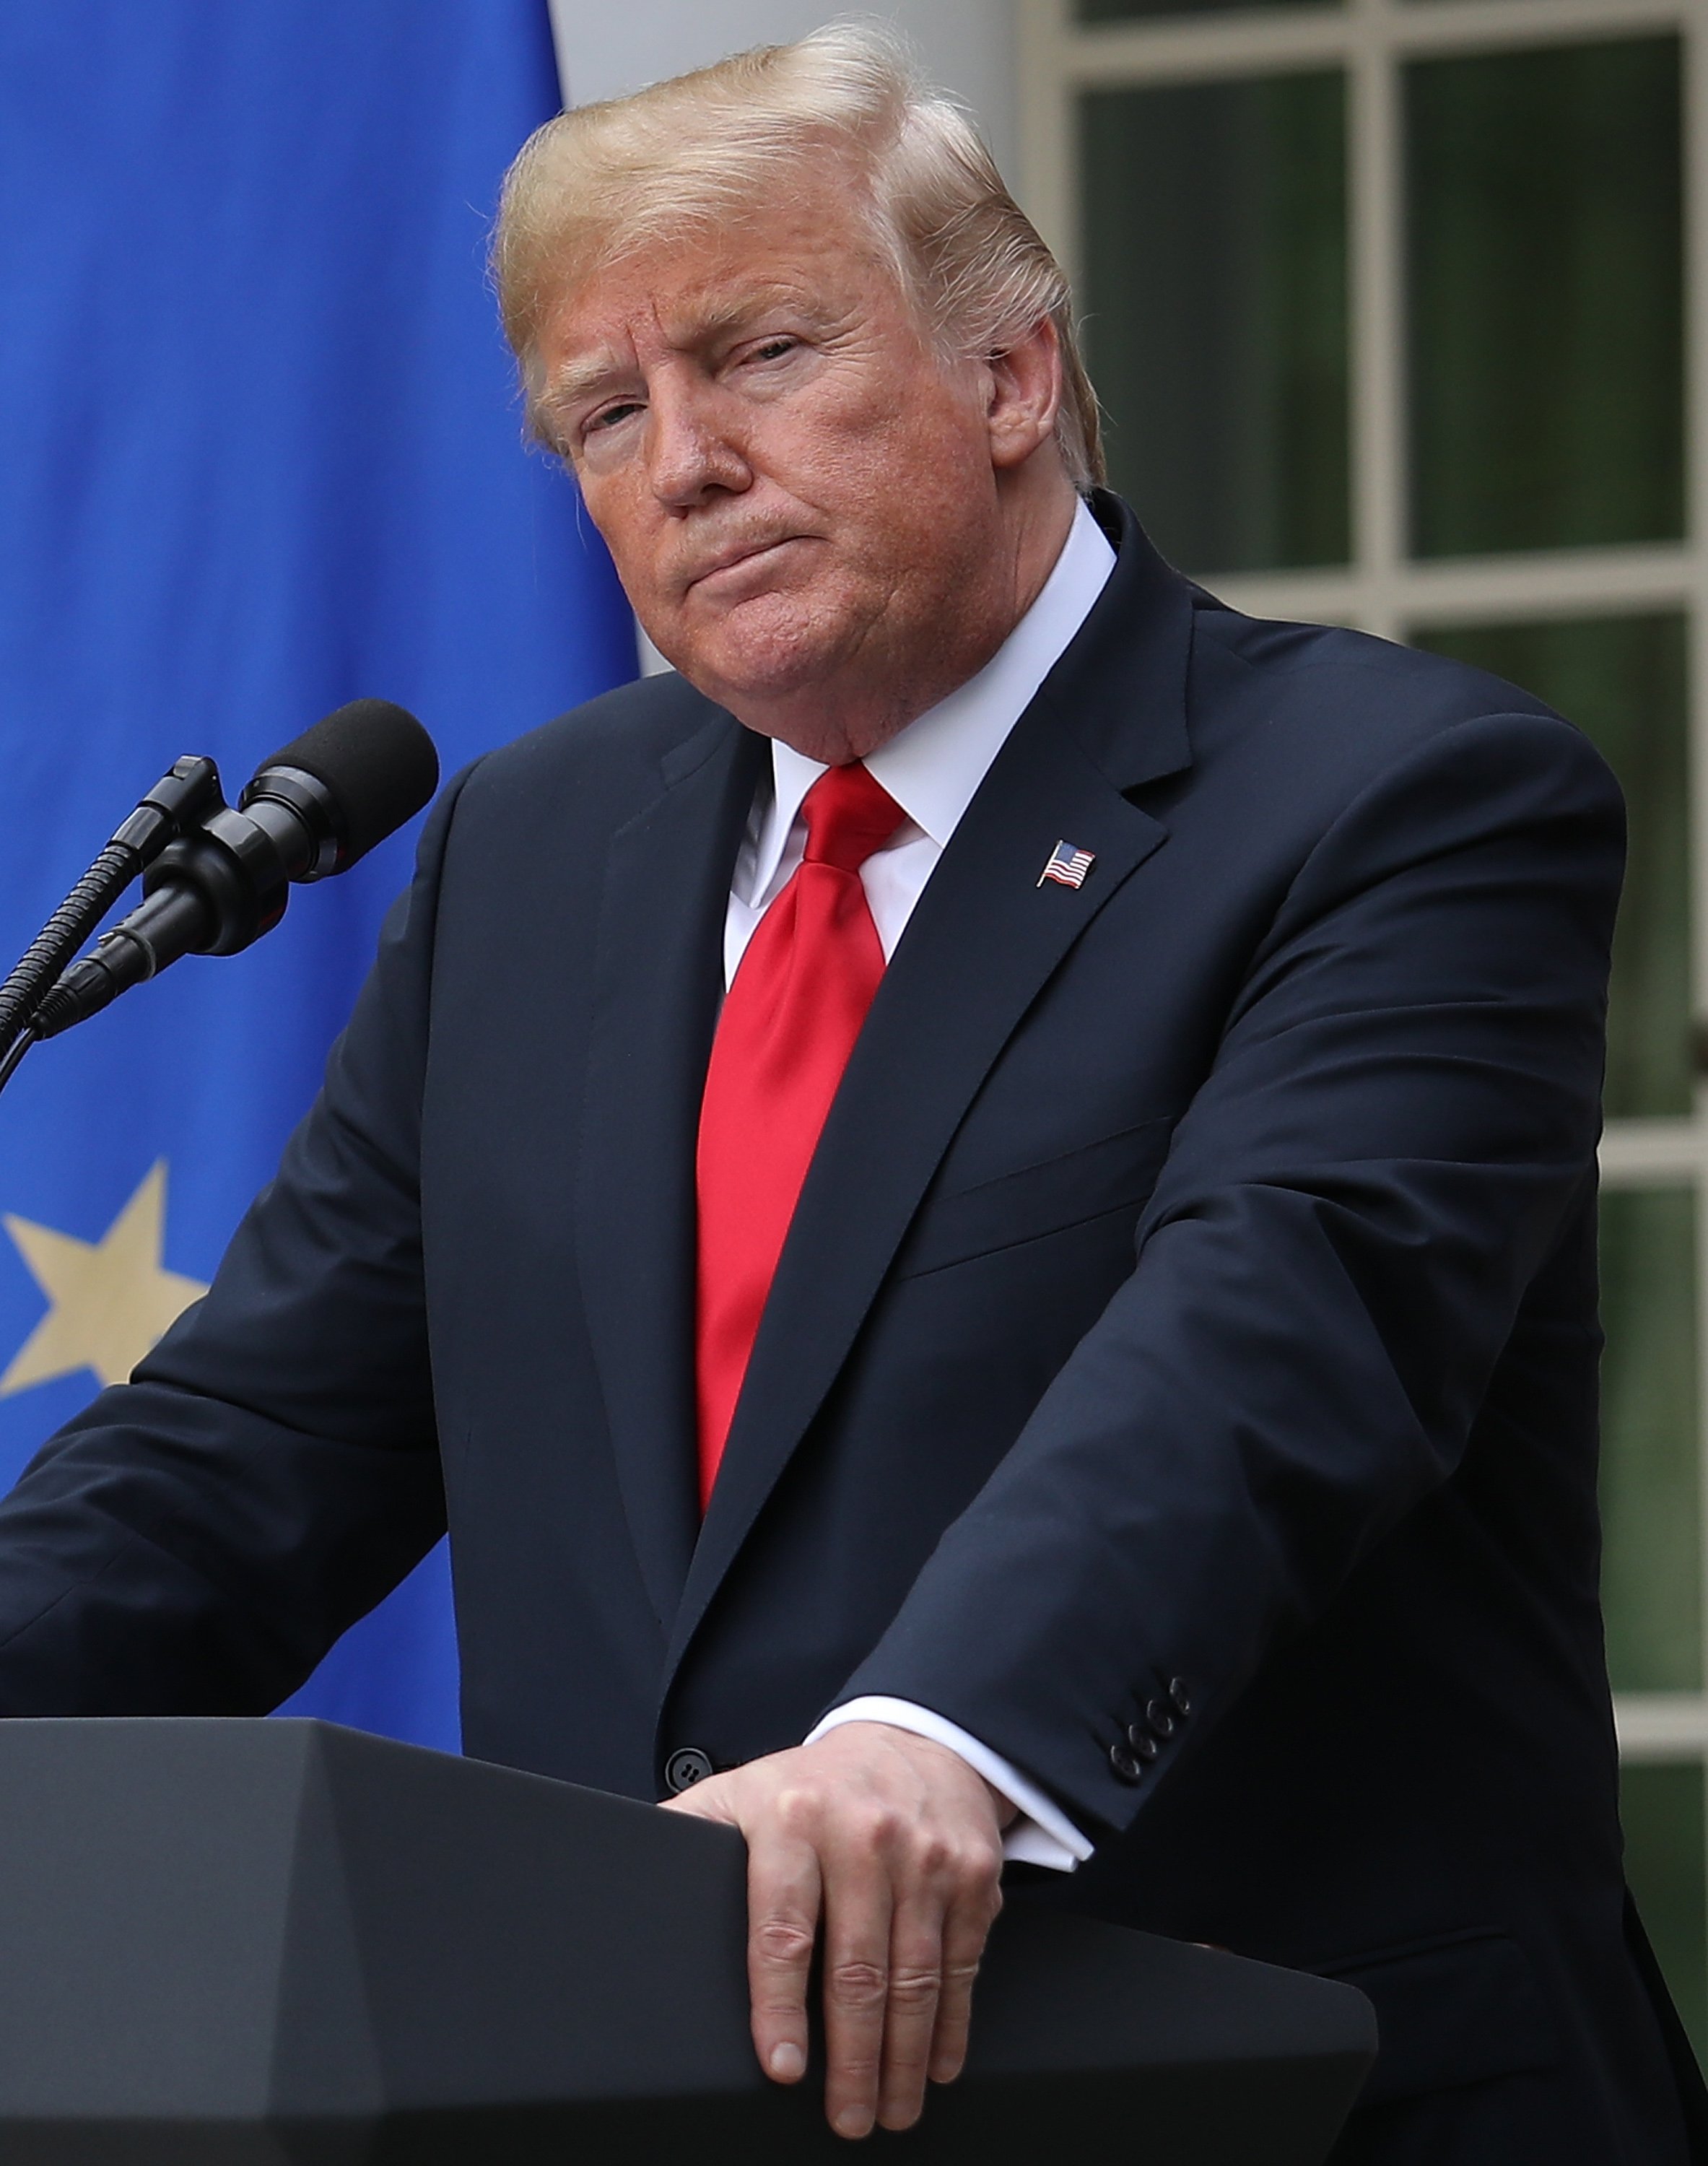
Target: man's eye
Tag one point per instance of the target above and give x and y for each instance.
(607, 417)
(774, 349)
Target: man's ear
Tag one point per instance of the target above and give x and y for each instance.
(1025, 395)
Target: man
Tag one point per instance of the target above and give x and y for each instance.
(978, 1208)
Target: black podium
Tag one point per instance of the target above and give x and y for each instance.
(236, 1943)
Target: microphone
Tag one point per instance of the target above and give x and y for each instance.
(175, 804)
(311, 810)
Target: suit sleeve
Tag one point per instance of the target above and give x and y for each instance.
(1403, 1111)
(196, 1539)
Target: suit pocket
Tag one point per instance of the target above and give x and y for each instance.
(1450, 2011)
(1115, 1173)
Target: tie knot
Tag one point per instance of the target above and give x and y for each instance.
(849, 814)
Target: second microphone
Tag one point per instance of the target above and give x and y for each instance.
(311, 810)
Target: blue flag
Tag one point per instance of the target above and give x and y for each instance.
(262, 454)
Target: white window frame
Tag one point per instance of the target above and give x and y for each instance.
(1383, 590)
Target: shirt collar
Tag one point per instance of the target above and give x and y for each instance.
(934, 766)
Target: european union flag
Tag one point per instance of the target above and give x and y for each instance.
(261, 455)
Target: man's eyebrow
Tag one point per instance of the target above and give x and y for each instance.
(719, 321)
(576, 381)
(700, 326)
(566, 389)
(579, 380)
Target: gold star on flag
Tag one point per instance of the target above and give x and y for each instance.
(111, 1299)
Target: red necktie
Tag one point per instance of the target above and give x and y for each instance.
(788, 1025)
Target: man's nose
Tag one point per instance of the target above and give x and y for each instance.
(690, 454)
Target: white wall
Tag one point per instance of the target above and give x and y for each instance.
(605, 47)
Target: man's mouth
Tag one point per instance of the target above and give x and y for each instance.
(732, 561)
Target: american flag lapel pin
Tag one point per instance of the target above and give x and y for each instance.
(1067, 866)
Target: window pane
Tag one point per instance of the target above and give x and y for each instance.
(1216, 288)
(1132, 10)
(1545, 342)
(1651, 1555)
(1662, 1809)
(1623, 679)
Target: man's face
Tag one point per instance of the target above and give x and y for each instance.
(798, 493)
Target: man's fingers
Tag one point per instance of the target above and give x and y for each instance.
(965, 1932)
(784, 1895)
(910, 2021)
(935, 1949)
(857, 1909)
(891, 1846)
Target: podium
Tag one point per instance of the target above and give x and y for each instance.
(280, 1943)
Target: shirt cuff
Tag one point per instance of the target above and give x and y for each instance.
(1043, 1834)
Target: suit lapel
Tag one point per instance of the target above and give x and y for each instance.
(658, 984)
(981, 943)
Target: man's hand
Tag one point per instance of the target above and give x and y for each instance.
(897, 1844)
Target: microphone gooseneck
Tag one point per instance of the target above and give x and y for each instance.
(311, 810)
(188, 790)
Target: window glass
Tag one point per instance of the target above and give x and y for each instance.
(1623, 679)
(1545, 309)
(1662, 1809)
(1214, 289)
(1650, 1486)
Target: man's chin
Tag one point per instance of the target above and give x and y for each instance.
(753, 669)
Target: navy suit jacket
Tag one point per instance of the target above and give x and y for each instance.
(1194, 1291)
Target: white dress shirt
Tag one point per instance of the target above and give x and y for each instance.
(931, 770)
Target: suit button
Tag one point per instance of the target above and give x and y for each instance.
(1161, 1717)
(1143, 1742)
(683, 1769)
(1181, 1698)
(1126, 1764)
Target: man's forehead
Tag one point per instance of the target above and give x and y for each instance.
(686, 309)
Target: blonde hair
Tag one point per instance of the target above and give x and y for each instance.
(703, 150)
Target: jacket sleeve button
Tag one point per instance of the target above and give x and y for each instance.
(686, 1768)
(1161, 1717)
(1181, 1698)
(1126, 1764)
(1142, 1742)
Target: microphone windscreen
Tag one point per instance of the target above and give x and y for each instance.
(377, 763)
